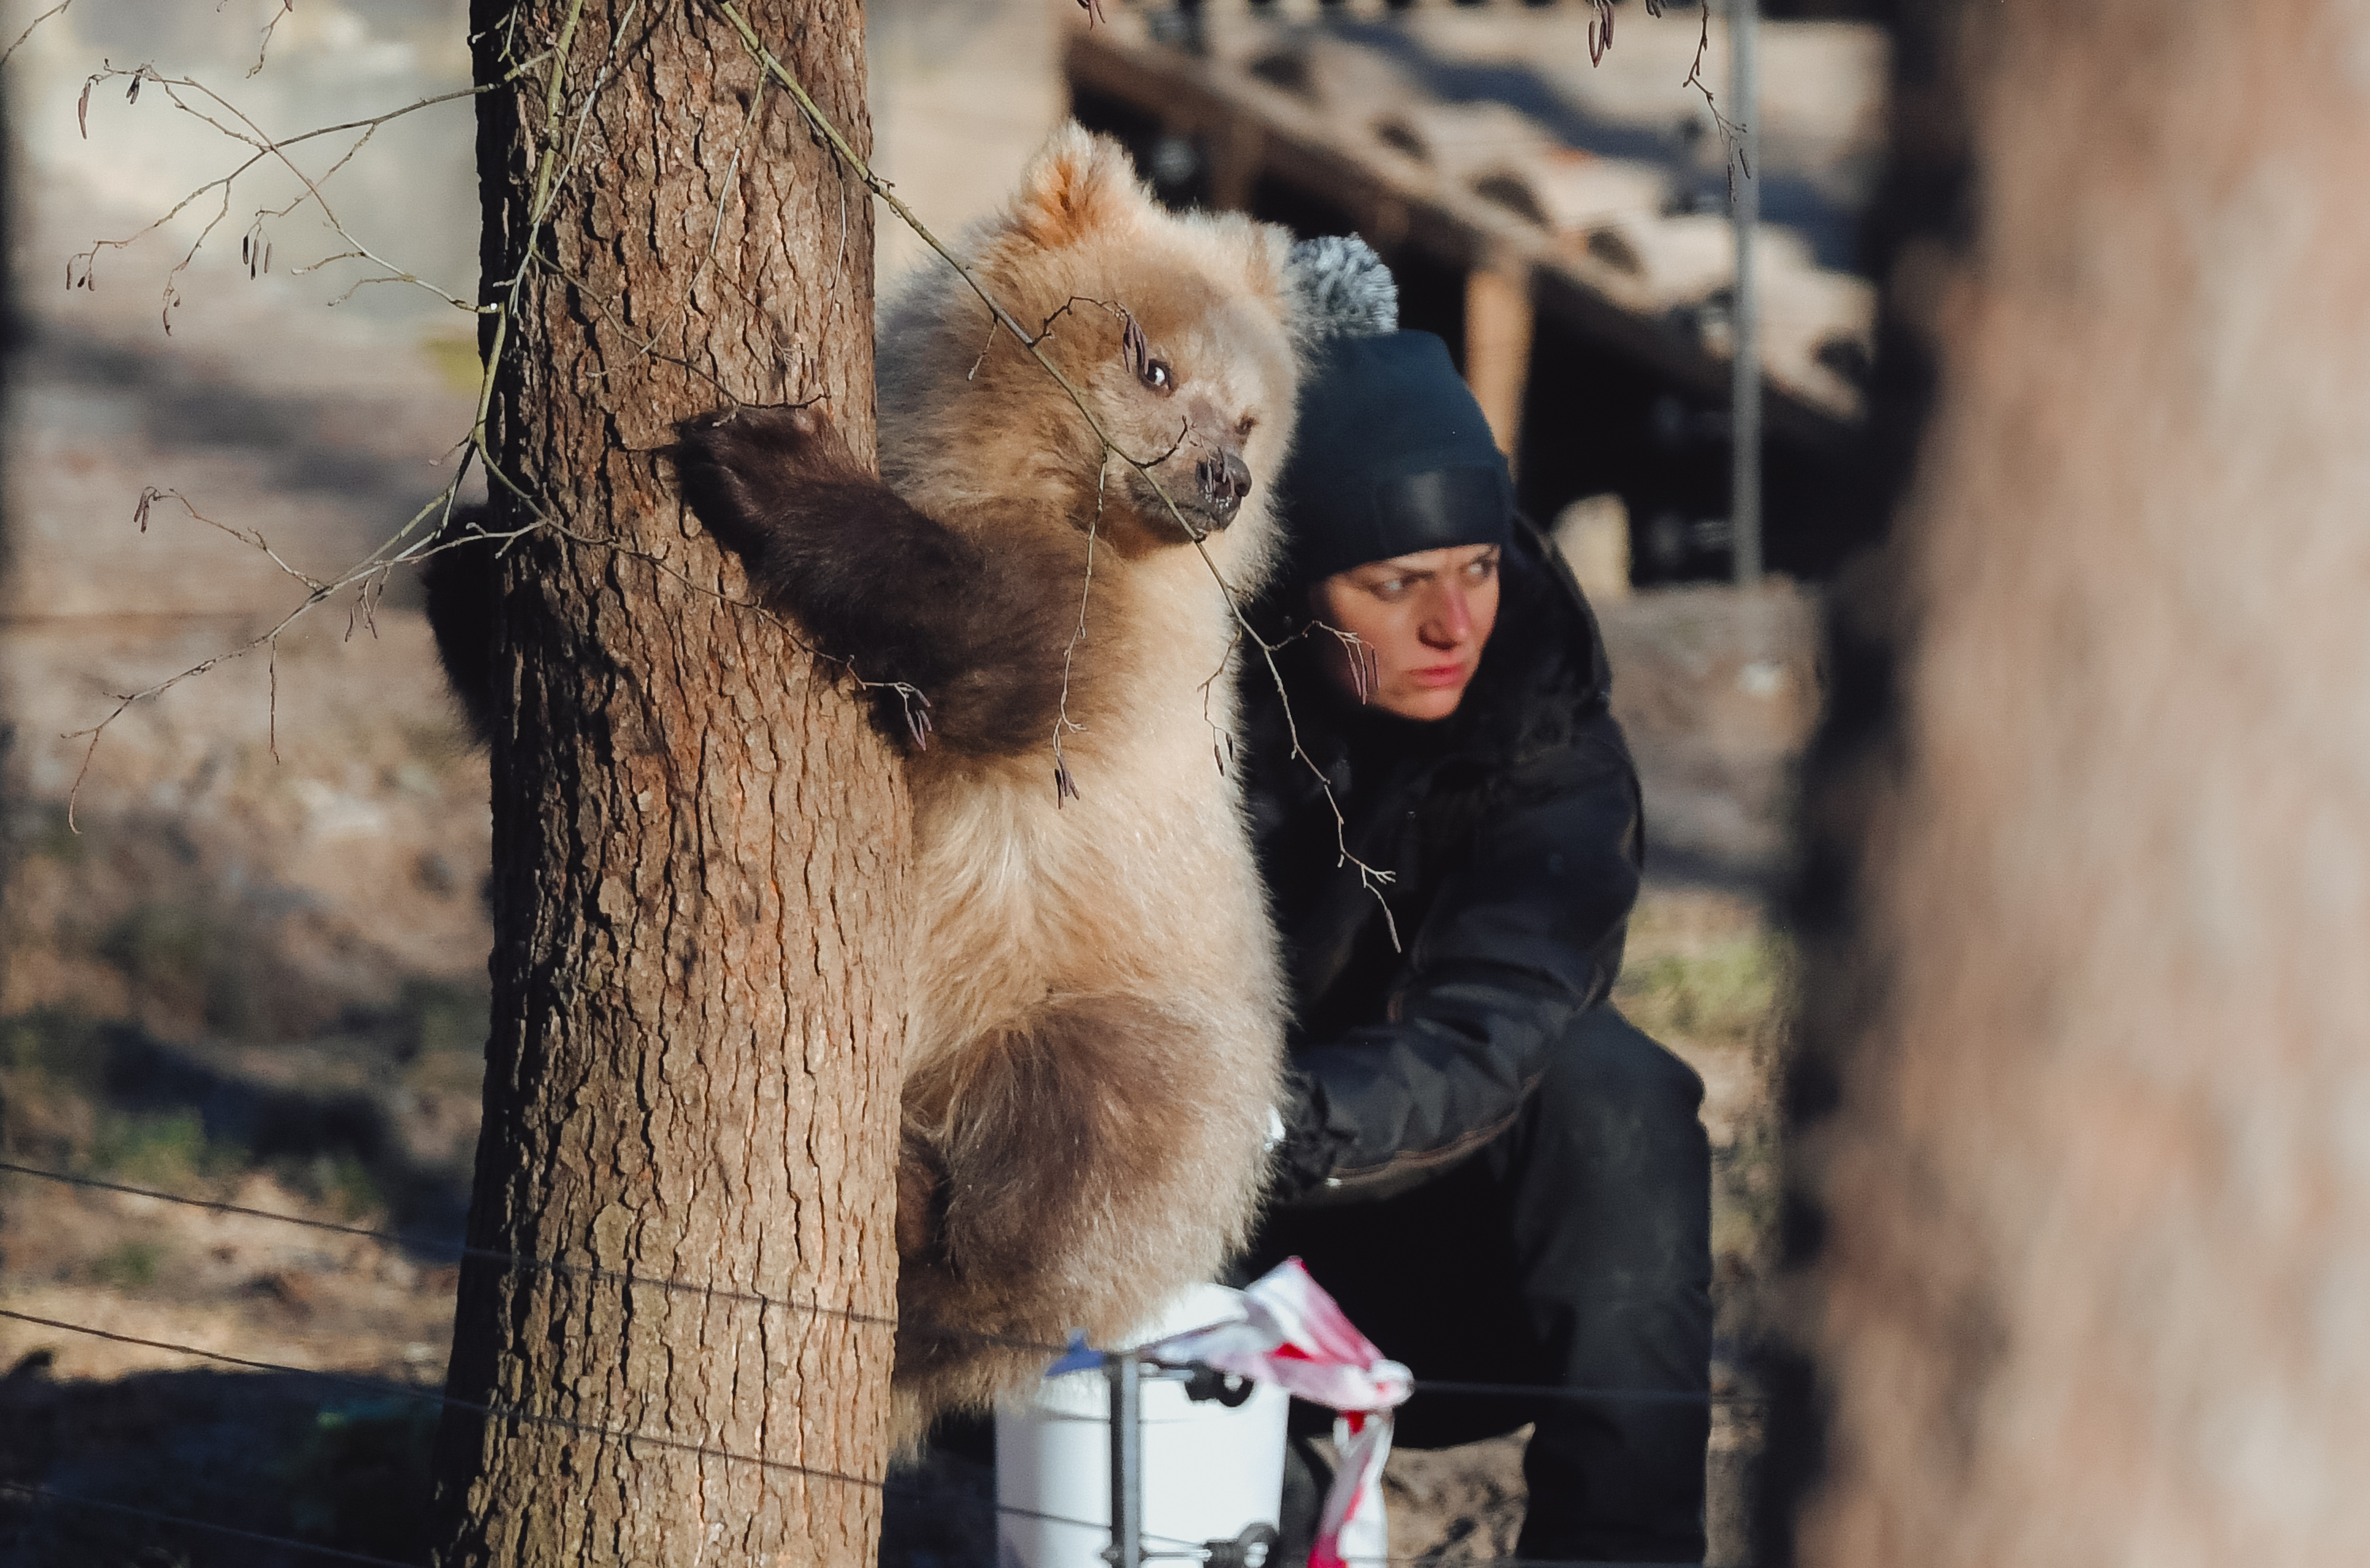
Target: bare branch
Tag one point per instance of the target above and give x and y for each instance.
(855, 164)
(252, 537)
(1731, 135)
(125, 701)
(263, 46)
(1600, 42)
(10, 52)
(407, 545)
(264, 147)
(1063, 787)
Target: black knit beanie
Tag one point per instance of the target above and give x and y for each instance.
(1392, 456)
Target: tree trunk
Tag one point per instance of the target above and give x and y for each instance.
(700, 846)
(2092, 1284)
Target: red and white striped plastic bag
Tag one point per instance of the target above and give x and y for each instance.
(1295, 1336)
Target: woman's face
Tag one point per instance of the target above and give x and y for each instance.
(1421, 621)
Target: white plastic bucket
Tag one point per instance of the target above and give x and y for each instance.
(1209, 1472)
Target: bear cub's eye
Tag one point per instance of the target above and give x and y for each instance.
(1249, 422)
(1156, 374)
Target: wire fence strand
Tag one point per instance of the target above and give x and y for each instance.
(383, 1386)
(1444, 1388)
(513, 1413)
(431, 1396)
(388, 1387)
(43, 1494)
(463, 1250)
(1581, 1395)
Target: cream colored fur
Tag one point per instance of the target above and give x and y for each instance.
(1144, 885)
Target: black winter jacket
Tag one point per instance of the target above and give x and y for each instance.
(1425, 1010)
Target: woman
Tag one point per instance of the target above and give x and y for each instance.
(1499, 1178)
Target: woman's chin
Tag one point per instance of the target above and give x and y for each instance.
(1422, 704)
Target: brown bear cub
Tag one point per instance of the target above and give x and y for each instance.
(1098, 1018)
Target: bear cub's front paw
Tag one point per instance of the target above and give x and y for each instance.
(751, 474)
(751, 439)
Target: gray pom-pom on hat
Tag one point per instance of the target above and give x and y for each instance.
(1341, 289)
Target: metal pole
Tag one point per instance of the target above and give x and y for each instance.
(1126, 1375)
(1744, 202)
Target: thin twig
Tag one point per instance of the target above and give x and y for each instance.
(1064, 786)
(1731, 135)
(10, 52)
(263, 47)
(855, 164)
(124, 701)
(265, 148)
(538, 210)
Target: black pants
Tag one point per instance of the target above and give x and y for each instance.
(1573, 1251)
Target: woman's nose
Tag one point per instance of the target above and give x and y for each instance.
(1451, 621)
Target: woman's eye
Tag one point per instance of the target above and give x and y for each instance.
(1157, 376)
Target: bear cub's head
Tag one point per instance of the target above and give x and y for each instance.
(1176, 329)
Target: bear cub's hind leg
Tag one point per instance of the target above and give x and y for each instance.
(1093, 1167)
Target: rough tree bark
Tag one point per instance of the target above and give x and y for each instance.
(2095, 1282)
(699, 844)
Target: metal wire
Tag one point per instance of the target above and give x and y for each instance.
(387, 1386)
(430, 1396)
(43, 1494)
(512, 1260)
(412, 1391)
(429, 1243)
(1583, 1396)
(514, 1412)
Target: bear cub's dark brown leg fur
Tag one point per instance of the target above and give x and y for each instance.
(898, 595)
(1070, 1155)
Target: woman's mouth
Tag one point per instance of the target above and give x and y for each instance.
(1434, 676)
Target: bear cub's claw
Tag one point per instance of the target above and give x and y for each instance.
(748, 472)
(792, 435)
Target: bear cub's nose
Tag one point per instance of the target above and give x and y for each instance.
(1224, 482)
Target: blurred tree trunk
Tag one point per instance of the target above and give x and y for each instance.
(699, 844)
(2091, 898)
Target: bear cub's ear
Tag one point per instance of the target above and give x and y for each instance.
(1078, 184)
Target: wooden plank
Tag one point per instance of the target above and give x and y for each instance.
(1498, 323)
(1397, 204)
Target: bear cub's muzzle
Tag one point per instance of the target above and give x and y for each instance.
(1225, 480)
